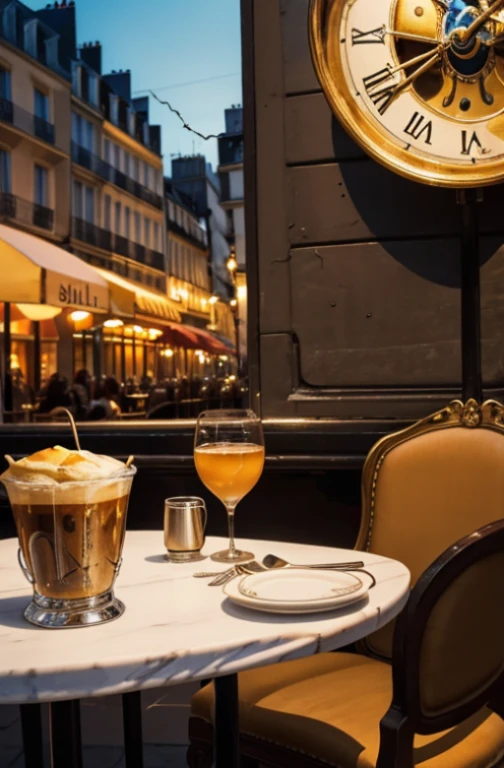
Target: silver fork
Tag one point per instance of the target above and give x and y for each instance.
(241, 569)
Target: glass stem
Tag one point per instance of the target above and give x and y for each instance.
(231, 515)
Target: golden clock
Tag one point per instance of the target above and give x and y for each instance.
(419, 84)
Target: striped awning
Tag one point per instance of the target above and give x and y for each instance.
(156, 305)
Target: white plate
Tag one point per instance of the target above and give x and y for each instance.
(298, 591)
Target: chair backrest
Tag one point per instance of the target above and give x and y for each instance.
(448, 659)
(429, 485)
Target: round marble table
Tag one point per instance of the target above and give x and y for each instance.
(176, 628)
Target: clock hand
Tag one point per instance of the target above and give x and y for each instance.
(464, 33)
(383, 94)
(410, 36)
(427, 56)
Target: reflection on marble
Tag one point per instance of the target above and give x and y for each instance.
(175, 628)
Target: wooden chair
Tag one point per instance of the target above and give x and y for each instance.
(422, 489)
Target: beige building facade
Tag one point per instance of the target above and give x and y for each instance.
(34, 145)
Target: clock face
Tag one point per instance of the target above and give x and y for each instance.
(418, 83)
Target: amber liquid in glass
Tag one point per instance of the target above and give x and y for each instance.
(229, 470)
(72, 549)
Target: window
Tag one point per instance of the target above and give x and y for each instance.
(171, 212)
(118, 218)
(131, 121)
(135, 169)
(75, 127)
(89, 204)
(87, 134)
(127, 160)
(138, 228)
(76, 78)
(147, 233)
(117, 156)
(114, 108)
(82, 132)
(41, 105)
(127, 223)
(146, 175)
(106, 151)
(93, 89)
(40, 185)
(5, 171)
(107, 213)
(5, 84)
(156, 237)
(77, 199)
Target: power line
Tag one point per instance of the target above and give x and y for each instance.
(182, 120)
(190, 82)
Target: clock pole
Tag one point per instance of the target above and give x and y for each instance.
(468, 200)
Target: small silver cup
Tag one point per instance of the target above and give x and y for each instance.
(185, 519)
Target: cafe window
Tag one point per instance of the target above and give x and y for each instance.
(41, 195)
(5, 171)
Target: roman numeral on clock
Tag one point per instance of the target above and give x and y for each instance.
(381, 97)
(373, 36)
(419, 127)
(467, 143)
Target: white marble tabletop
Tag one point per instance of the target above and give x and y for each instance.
(175, 628)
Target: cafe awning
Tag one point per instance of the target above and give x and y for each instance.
(35, 271)
(193, 338)
(156, 305)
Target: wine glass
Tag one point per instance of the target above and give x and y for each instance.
(229, 458)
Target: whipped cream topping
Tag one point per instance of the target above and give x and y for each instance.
(59, 465)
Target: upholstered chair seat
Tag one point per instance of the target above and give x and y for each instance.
(330, 707)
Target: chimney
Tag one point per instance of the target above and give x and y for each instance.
(91, 54)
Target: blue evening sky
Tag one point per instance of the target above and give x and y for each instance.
(168, 44)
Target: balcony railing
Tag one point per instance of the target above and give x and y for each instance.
(106, 171)
(23, 212)
(26, 121)
(109, 241)
(89, 233)
(174, 227)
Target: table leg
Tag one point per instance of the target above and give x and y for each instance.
(66, 740)
(226, 726)
(132, 721)
(31, 729)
